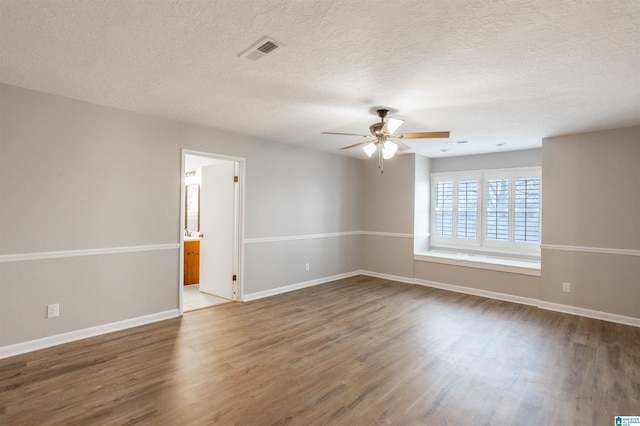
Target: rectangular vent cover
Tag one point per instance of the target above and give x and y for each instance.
(260, 48)
(267, 47)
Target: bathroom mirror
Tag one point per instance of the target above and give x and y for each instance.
(192, 208)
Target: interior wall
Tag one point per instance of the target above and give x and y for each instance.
(497, 160)
(388, 218)
(422, 214)
(283, 263)
(519, 285)
(90, 205)
(591, 220)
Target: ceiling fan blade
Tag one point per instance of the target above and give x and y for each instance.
(401, 146)
(346, 134)
(355, 145)
(424, 135)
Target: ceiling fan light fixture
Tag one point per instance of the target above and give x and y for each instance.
(391, 125)
(369, 149)
(385, 141)
(389, 149)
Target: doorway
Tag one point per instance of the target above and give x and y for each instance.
(211, 230)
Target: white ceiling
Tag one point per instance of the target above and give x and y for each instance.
(491, 72)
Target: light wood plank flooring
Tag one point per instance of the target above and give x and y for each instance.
(358, 351)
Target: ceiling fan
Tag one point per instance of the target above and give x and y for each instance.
(383, 139)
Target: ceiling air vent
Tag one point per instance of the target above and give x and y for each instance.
(261, 48)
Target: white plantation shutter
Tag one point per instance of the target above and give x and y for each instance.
(526, 222)
(443, 214)
(491, 210)
(467, 209)
(497, 210)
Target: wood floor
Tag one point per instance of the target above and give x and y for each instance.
(358, 351)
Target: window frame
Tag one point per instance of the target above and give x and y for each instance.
(454, 240)
(481, 243)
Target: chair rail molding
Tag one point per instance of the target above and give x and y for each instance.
(23, 257)
(599, 250)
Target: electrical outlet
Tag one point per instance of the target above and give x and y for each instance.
(306, 267)
(566, 287)
(53, 310)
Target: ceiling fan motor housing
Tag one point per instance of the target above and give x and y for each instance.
(376, 129)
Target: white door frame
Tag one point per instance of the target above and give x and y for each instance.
(238, 264)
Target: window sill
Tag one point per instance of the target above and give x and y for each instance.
(515, 266)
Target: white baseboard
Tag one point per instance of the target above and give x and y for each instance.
(279, 290)
(478, 292)
(589, 313)
(557, 307)
(398, 278)
(58, 339)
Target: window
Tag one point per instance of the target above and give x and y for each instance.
(493, 210)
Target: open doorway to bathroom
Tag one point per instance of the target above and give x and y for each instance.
(211, 230)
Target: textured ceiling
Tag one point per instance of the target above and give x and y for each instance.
(498, 72)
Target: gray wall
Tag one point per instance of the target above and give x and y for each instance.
(499, 160)
(591, 191)
(422, 214)
(79, 176)
(591, 201)
(388, 209)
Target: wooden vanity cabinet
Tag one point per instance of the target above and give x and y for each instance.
(191, 262)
